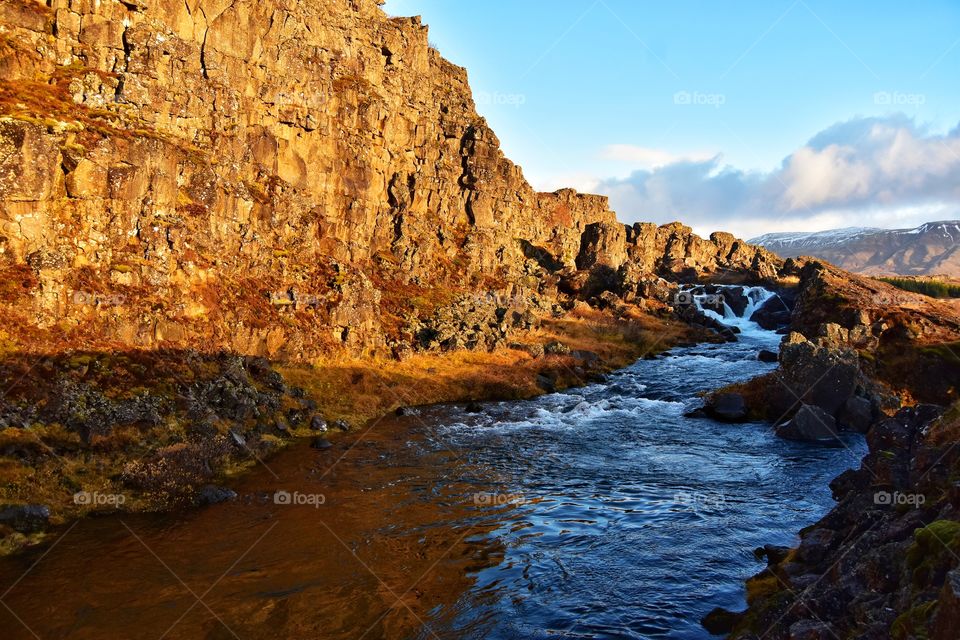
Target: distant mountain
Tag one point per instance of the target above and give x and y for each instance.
(930, 249)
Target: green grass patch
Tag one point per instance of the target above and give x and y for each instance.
(931, 288)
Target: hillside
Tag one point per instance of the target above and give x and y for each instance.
(286, 180)
(930, 249)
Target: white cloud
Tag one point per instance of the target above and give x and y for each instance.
(863, 172)
(647, 158)
(582, 182)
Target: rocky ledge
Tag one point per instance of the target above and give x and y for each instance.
(865, 357)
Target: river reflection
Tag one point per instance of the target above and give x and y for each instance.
(396, 541)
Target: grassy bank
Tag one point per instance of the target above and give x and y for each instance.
(361, 390)
(156, 427)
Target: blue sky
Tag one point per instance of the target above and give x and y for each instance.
(748, 116)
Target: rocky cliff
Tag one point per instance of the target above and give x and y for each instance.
(274, 178)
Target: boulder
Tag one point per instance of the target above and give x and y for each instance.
(546, 383)
(727, 407)
(473, 407)
(25, 518)
(720, 621)
(857, 414)
(819, 375)
(556, 348)
(773, 314)
(774, 554)
(585, 356)
(318, 424)
(321, 444)
(810, 424)
(212, 494)
(736, 299)
(766, 355)
(535, 349)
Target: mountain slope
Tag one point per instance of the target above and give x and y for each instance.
(930, 249)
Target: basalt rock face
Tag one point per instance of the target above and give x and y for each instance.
(859, 349)
(883, 563)
(674, 250)
(277, 178)
(864, 356)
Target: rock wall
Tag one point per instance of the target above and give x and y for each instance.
(277, 178)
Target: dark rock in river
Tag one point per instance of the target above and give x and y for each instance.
(857, 414)
(810, 424)
(720, 621)
(318, 424)
(407, 411)
(26, 518)
(212, 494)
(822, 376)
(773, 314)
(727, 407)
(766, 355)
(546, 383)
(473, 407)
(343, 425)
(774, 554)
(736, 299)
(321, 444)
(690, 314)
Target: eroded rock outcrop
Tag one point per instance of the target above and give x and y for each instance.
(883, 563)
(272, 178)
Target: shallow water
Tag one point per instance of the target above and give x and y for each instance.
(601, 512)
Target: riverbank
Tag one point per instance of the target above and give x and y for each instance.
(863, 356)
(602, 510)
(146, 431)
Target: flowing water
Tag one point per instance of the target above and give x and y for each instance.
(601, 512)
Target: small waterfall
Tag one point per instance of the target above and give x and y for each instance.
(710, 303)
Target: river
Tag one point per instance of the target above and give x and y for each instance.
(599, 512)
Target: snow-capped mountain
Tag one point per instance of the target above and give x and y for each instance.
(930, 249)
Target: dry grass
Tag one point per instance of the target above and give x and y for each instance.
(362, 390)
